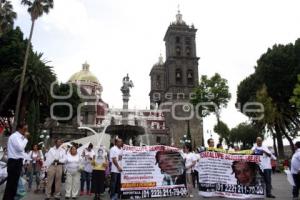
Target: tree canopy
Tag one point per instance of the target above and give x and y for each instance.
(212, 95)
(275, 77)
(38, 79)
(36, 9)
(223, 131)
(246, 134)
(7, 16)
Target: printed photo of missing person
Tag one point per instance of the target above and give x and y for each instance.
(246, 173)
(171, 165)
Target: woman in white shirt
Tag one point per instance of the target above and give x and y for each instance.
(87, 156)
(72, 166)
(190, 162)
(35, 164)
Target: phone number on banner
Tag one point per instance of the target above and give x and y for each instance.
(152, 193)
(240, 189)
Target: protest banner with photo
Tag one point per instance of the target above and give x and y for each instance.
(152, 171)
(232, 176)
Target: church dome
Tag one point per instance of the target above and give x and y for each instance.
(159, 66)
(84, 76)
(160, 62)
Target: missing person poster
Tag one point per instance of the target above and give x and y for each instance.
(152, 171)
(231, 176)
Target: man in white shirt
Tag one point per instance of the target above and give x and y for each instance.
(115, 156)
(54, 161)
(295, 170)
(15, 145)
(265, 165)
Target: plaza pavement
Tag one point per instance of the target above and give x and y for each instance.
(281, 189)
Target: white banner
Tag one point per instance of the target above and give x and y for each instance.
(232, 176)
(152, 171)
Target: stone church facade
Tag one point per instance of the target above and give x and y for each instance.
(173, 81)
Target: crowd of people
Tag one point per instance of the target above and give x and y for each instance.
(84, 173)
(93, 169)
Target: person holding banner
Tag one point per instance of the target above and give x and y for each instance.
(265, 165)
(190, 162)
(98, 175)
(295, 170)
(116, 168)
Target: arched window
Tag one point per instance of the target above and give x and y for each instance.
(158, 139)
(188, 51)
(178, 51)
(190, 76)
(178, 76)
(158, 82)
(177, 39)
(158, 78)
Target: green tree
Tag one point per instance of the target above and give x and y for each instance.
(33, 120)
(270, 115)
(277, 69)
(212, 94)
(37, 82)
(39, 77)
(36, 9)
(12, 49)
(295, 99)
(245, 134)
(7, 16)
(223, 131)
(201, 95)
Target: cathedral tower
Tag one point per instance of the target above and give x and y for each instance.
(173, 81)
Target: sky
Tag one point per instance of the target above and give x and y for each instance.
(117, 37)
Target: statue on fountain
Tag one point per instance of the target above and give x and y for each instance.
(127, 84)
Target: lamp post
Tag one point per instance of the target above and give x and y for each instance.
(185, 139)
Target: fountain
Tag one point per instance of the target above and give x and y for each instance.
(132, 125)
(129, 129)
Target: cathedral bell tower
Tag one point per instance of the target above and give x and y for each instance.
(181, 59)
(158, 83)
(176, 78)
